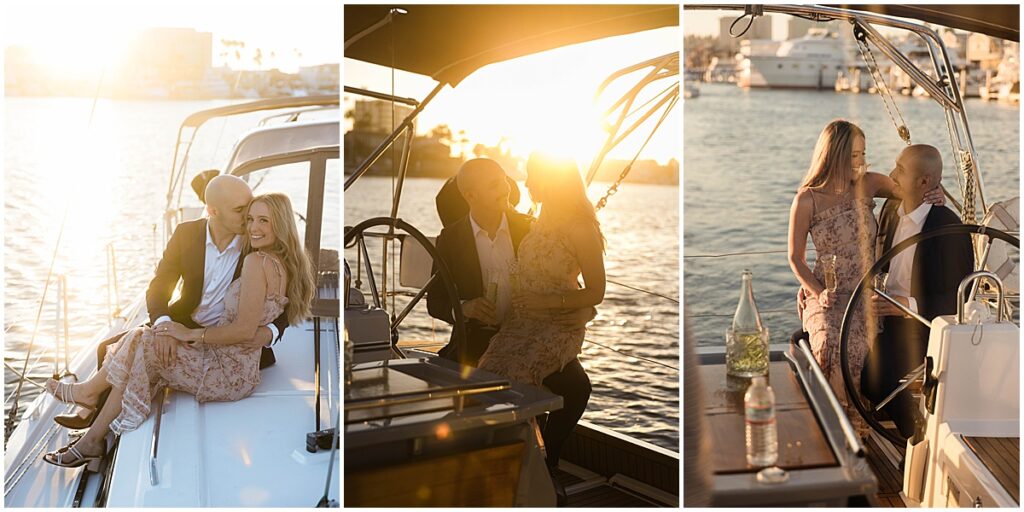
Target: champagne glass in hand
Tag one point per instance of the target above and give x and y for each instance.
(879, 282)
(828, 266)
(829, 263)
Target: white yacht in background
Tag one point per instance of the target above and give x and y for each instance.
(1004, 86)
(809, 62)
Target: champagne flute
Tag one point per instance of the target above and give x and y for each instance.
(828, 262)
(879, 283)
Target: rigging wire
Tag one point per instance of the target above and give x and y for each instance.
(11, 417)
(394, 169)
(627, 354)
(880, 84)
(614, 188)
(731, 254)
(643, 291)
(729, 315)
(657, 96)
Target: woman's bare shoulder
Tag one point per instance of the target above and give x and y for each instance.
(802, 197)
(268, 265)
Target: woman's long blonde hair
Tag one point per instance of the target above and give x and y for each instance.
(832, 164)
(288, 248)
(563, 195)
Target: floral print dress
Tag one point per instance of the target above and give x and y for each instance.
(846, 230)
(210, 372)
(529, 347)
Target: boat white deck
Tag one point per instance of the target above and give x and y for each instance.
(249, 453)
(254, 449)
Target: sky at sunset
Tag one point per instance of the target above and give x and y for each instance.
(541, 101)
(80, 36)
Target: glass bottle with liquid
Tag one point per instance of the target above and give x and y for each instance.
(746, 342)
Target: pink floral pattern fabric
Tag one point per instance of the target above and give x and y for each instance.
(848, 231)
(529, 347)
(210, 372)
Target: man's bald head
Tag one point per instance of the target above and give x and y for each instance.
(482, 183)
(918, 170)
(924, 161)
(474, 172)
(226, 198)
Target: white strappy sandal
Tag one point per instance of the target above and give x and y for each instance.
(70, 457)
(64, 391)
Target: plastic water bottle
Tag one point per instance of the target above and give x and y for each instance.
(762, 438)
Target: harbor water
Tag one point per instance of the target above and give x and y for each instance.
(108, 178)
(745, 154)
(630, 395)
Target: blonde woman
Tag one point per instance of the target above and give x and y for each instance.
(216, 363)
(834, 205)
(565, 243)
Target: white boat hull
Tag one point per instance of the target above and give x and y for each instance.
(790, 72)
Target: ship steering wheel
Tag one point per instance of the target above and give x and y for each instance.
(866, 284)
(355, 235)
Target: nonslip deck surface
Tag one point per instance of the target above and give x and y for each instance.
(801, 442)
(1001, 455)
(883, 459)
(603, 495)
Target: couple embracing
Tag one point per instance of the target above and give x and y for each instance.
(518, 281)
(834, 205)
(245, 277)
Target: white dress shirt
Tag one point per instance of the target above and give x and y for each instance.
(218, 273)
(496, 258)
(902, 265)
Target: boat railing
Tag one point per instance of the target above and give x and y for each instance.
(293, 116)
(162, 395)
(456, 392)
(853, 443)
(113, 308)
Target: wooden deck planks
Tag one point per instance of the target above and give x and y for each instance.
(890, 478)
(606, 496)
(1001, 455)
(801, 442)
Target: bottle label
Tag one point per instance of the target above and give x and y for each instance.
(760, 415)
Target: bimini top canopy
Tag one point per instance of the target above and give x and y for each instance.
(286, 139)
(1002, 21)
(449, 42)
(198, 118)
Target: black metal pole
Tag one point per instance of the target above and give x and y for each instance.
(406, 124)
(316, 368)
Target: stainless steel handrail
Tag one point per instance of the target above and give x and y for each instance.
(906, 311)
(851, 436)
(412, 102)
(155, 441)
(1000, 317)
(457, 391)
